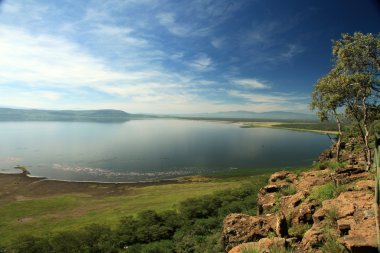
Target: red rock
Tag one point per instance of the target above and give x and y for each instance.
(242, 228)
(282, 175)
(264, 245)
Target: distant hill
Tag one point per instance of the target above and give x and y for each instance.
(272, 115)
(7, 114)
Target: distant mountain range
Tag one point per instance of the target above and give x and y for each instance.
(7, 114)
(271, 115)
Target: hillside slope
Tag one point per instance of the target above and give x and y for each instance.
(7, 114)
(328, 209)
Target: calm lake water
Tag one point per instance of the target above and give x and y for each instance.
(141, 150)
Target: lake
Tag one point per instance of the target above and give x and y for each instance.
(144, 150)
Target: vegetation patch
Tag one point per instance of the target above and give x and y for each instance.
(299, 230)
(193, 225)
(325, 192)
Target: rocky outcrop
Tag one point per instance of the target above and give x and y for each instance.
(287, 214)
(278, 181)
(242, 228)
(264, 245)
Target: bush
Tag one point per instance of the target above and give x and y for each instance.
(326, 191)
(158, 247)
(91, 239)
(331, 244)
(289, 190)
(194, 228)
(299, 230)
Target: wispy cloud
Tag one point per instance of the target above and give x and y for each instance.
(218, 42)
(202, 62)
(251, 83)
(291, 51)
(266, 98)
(168, 20)
(116, 54)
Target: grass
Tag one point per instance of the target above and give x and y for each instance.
(289, 190)
(325, 192)
(331, 244)
(272, 249)
(331, 165)
(40, 216)
(299, 230)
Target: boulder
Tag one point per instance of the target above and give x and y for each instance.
(303, 214)
(290, 204)
(266, 198)
(355, 221)
(241, 228)
(312, 178)
(282, 175)
(312, 239)
(264, 245)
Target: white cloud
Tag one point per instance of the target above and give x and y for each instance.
(292, 50)
(217, 42)
(122, 34)
(43, 58)
(201, 62)
(276, 99)
(50, 95)
(10, 7)
(251, 83)
(167, 19)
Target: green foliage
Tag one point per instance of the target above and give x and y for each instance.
(272, 249)
(289, 190)
(352, 86)
(194, 228)
(278, 249)
(331, 217)
(331, 244)
(92, 239)
(325, 192)
(299, 230)
(331, 165)
(247, 249)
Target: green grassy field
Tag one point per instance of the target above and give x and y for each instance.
(41, 215)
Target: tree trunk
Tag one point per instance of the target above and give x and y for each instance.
(366, 135)
(339, 140)
(367, 149)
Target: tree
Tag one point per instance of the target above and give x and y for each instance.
(328, 97)
(353, 84)
(357, 60)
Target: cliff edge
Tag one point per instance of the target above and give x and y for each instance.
(327, 209)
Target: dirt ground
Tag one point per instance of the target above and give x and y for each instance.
(20, 185)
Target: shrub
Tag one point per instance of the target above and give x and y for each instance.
(289, 190)
(247, 249)
(326, 191)
(299, 230)
(277, 249)
(158, 247)
(331, 217)
(331, 244)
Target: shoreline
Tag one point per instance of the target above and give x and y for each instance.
(277, 125)
(29, 177)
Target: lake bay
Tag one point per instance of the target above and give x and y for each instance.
(144, 150)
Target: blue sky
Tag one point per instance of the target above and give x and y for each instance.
(166, 56)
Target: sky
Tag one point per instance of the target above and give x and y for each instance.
(171, 56)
